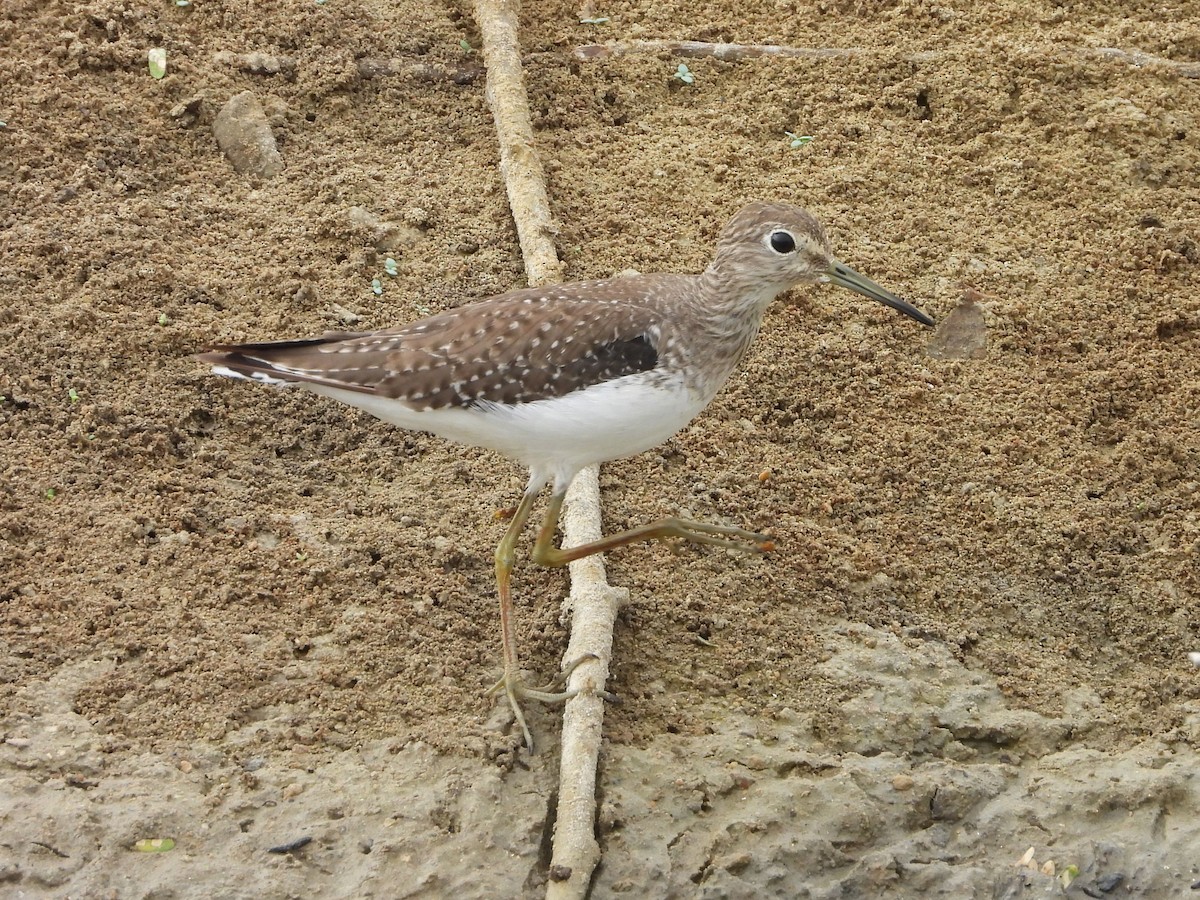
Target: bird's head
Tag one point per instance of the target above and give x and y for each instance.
(776, 246)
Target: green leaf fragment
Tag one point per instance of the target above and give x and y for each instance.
(158, 63)
(684, 74)
(73, 395)
(376, 286)
(154, 845)
(389, 266)
(1069, 874)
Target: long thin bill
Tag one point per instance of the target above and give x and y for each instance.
(842, 275)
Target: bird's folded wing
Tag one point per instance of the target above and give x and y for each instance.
(527, 345)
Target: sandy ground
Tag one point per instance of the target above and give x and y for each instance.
(238, 618)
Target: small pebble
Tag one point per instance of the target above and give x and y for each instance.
(902, 782)
(245, 137)
(416, 217)
(187, 113)
(962, 335)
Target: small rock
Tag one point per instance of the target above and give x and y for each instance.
(735, 863)
(361, 217)
(386, 236)
(187, 113)
(963, 334)
(1110, 882)
(256, 62)
(416, 217)
(345, 316)
(245, 137)
(902, 783)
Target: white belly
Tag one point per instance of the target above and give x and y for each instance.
(555, 438)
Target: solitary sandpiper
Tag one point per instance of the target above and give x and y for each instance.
(561, 377)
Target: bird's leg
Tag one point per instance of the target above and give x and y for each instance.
(546, 554)
(510, 682)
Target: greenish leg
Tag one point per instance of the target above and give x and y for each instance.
(546, 554)
(510, 682)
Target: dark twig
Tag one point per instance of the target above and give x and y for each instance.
(291, 846)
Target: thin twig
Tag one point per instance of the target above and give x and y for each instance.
(383, 67)
(738, 52)
(1142, 60)
(690, 49)
(524, 178)
(592, 602)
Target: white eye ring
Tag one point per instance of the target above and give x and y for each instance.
(782, 242)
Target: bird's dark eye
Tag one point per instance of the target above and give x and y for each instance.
(782, 242)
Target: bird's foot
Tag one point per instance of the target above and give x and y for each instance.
(728, 536)
(553, 692)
